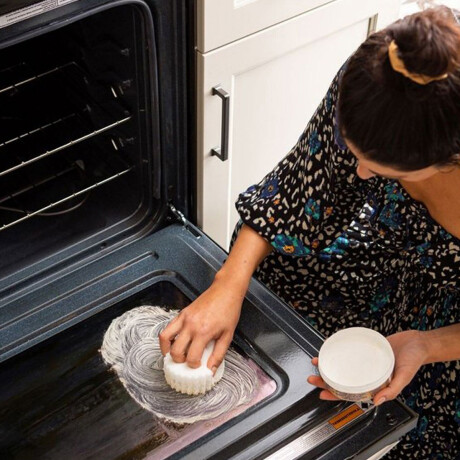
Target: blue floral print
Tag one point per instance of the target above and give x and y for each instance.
(290, 245)
(312, 208)
(270, 189)
(314, 143)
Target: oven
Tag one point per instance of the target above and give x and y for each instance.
(96, 218)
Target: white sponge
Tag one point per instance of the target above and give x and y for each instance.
(191, 381)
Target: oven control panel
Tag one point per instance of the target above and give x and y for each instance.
(17, 11)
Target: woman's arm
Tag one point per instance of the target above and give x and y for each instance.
(413, 349)
(247, 253)
(442, 344)
(215, 314)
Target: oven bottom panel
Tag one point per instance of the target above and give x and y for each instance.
(61, 401)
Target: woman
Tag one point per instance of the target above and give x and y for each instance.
(359, 225)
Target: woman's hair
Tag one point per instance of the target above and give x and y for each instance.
(392, 119)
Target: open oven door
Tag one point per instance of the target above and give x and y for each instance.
(72, 406)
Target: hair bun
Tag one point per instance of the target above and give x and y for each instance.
(428, 42)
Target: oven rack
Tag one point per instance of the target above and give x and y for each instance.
(21, 163)
(79, 193)
(34, 76)
(72, 118)
(12, 69)
(67, 179)
(41, 98)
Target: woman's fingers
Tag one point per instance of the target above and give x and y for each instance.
(219, 351)
(169, 333)
(317, 381)
(400, 379)
(180, 347)
(195, 351)
(328, 396)
(186, 344)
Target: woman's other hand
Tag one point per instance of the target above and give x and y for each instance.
(410, 352)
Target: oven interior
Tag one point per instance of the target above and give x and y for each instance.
(78, 140)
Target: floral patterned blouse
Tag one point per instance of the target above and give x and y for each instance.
(352, 252)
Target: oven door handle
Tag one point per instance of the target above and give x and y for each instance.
(222, 151)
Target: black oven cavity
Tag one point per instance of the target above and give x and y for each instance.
(75, 148)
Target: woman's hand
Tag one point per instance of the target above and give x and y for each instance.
(411, 352)
(213, 315)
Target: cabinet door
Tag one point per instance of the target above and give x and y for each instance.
(275, 80)
(222, 21)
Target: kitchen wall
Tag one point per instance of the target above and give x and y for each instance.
(412, 6)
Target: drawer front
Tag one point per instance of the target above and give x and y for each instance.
(222, 21)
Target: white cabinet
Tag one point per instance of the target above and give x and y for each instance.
(275, 79)
(222, 21)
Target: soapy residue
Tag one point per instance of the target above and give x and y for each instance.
(131, 346)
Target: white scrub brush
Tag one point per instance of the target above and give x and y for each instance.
(191, 381)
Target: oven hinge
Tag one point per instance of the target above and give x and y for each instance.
(179, 217)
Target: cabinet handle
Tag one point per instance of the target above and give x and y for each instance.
(222, 151)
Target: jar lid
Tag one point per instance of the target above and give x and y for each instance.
(356, 360)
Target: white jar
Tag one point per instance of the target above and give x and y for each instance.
(356, 363)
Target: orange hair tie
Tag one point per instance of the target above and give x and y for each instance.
(398, 66)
